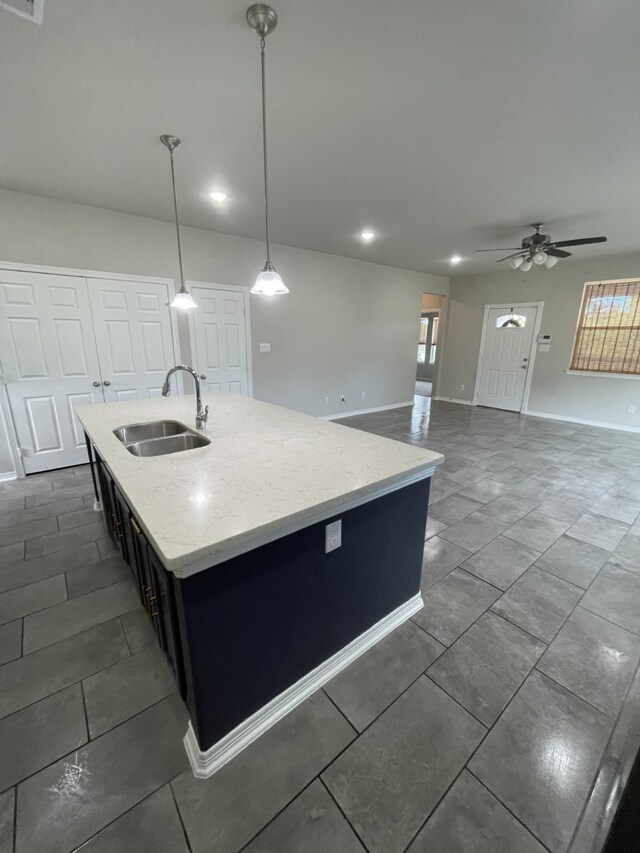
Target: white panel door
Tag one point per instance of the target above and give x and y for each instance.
(50, 364)
(219, 338)
(133, 333)
(504, 362)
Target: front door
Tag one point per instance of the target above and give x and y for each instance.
(219, 334)
(504, 359)
(133, 334)
(50, 364)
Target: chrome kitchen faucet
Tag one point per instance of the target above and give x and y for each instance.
(201, 414)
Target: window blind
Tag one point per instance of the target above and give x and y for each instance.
(608, 334)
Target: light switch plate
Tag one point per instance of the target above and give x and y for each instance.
(265, 347)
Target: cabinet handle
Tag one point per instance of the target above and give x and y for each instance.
(106, 382)
(202, 376)
(96, 384)
(134, 524)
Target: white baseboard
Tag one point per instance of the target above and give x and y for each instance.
(204, 763)
(585, 421)
(365, 411)
(6, 478)
(454, 400)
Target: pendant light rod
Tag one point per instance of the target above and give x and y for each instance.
(262, 19)
(264, 153)
(183, 298)
(172, 142)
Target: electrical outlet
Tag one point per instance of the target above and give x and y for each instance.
(333, 536)
(265, 347)
(462, 387)
(631, 410)
(326, 401)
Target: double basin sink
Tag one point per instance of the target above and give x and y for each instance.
(158, 438)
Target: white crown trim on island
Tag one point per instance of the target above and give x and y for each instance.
(205, 763)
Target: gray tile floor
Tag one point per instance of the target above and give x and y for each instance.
(500, 718)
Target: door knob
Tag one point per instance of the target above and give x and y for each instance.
(106, 382)
(96, 384)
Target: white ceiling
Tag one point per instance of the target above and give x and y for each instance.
(445, 125)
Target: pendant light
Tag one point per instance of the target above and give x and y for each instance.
(183, 298)
(262, 19)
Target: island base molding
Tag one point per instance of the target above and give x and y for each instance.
(204, 763)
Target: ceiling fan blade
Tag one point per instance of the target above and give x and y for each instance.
(580, 242)
(508, 257)
(557, 253)
(508, 249)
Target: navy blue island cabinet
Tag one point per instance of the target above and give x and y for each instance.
(269, 555)
(251, 637)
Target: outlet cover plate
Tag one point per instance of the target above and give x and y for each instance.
(333, 536)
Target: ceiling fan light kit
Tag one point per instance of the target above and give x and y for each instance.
(540, 249)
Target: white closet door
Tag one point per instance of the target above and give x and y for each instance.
(133, 334)
(219, 334)
(50, 364)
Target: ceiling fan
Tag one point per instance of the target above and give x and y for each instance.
(540, 249)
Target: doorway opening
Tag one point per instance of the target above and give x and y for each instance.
(429, 340)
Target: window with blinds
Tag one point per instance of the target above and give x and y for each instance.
(608, 334)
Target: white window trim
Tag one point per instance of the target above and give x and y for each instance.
(600, 375)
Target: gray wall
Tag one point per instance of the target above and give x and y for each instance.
(346, 327)
(552, 391)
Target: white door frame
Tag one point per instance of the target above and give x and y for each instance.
(247, 321)
(80, 273)
(508, 306)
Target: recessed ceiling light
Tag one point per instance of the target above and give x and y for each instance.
(455, 259)
(218, 195)
(367, 235)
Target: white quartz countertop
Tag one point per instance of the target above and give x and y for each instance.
(268, 472)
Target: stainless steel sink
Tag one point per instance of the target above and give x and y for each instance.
(158, 438)
(170, 444)
(155, 429)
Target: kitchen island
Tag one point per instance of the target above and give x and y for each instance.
(257, 596)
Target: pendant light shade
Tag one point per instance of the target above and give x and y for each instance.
(183, 298)
(262, 19)
(269, 283)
